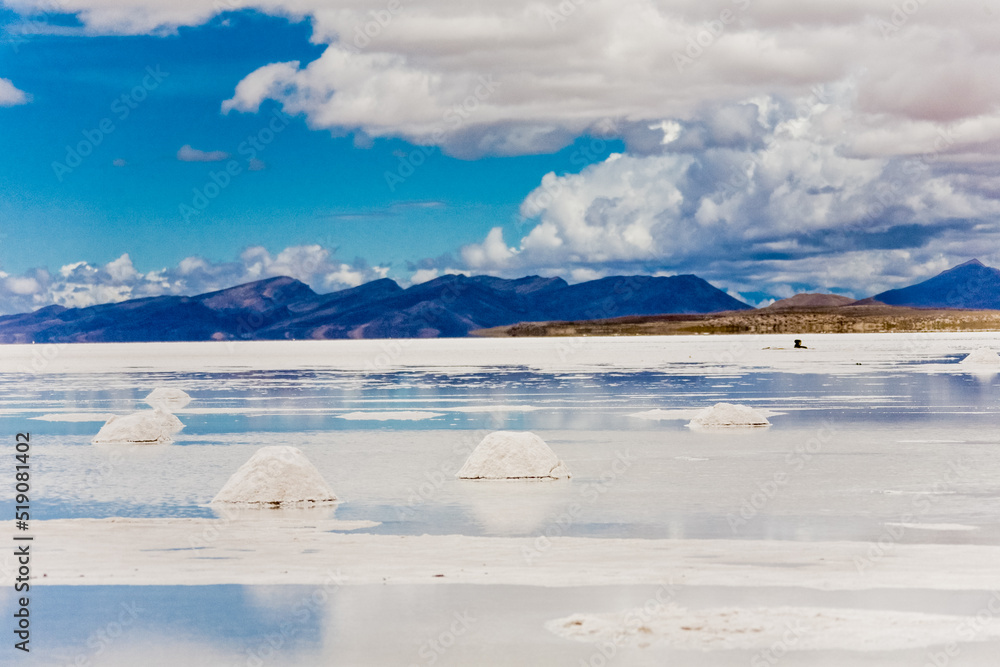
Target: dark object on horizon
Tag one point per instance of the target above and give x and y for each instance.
(283, 308)
(970, 285)
(799, 345)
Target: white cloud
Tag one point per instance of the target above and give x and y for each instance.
(10, 96)
(492, 253)
(795, 200)
(423, 275)
(21, 285)
(833, 144)
(188, 154)
(563, 69)
(81, 284)
(121, 269)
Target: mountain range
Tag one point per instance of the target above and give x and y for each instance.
(283, 308)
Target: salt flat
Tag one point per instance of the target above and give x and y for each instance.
(828, 353)
(867, 511)
(274, 551)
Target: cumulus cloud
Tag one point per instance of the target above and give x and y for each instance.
(843, 144)
(773, 196)
(562, 68)
(423, 275)
(10, 96)
(81, 283)
(188, 154)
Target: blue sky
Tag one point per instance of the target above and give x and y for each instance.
(315, 188)
(545, 142)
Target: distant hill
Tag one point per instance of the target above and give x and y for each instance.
(969, 285)
(869, 318)
(283, 308)
(811, 301)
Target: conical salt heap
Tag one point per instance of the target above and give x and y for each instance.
(513, 455)
(984, 356)
(274, 476)
(168, 399)
(727, 415)
(149, 427)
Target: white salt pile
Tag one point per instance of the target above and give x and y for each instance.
(168, 399)
(727, 415)
(513, 455)
(984, 356)
(275, 476)
(149, 427)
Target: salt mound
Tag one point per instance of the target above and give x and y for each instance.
(275, 476)
(168, 399)
(727, 415)
(513, 455)
(143, 428)
(984, 356)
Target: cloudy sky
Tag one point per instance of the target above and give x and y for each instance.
(768, 146)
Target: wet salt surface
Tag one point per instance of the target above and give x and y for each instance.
(907, 438)
(876, 439)
(406, 625)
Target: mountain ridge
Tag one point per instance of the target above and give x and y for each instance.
(282, 308)
(971, 285)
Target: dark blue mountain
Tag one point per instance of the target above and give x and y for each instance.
(284, 308)
(619, 296)
(970, 285)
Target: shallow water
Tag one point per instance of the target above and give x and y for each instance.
(426, 625)
(850, 450)
(873, 437)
